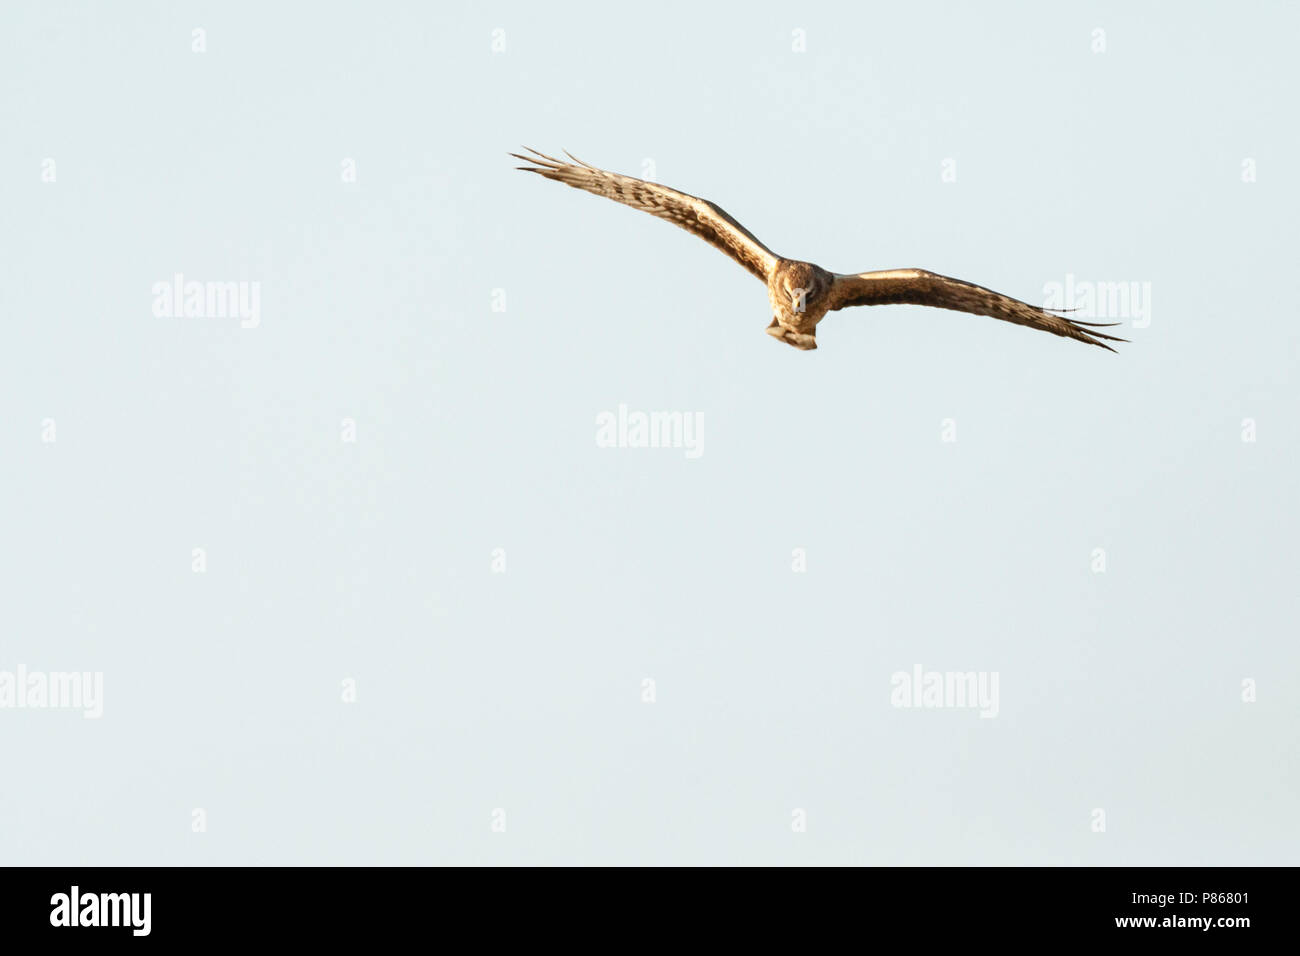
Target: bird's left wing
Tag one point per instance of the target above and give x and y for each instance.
(918, 287)
(697, 216)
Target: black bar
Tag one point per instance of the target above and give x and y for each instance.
(368, 905)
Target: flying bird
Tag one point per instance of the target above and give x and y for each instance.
(801, 293)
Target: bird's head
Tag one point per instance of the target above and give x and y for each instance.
(802, 286)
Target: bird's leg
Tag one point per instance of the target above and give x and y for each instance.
(800, 341)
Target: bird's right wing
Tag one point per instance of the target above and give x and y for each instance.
(695, 215)
(918, 287)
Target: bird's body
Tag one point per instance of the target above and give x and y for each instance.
(801, 293)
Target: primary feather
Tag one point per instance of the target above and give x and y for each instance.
(918, 287)
(697, 216)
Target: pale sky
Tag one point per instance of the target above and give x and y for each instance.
(361, 584)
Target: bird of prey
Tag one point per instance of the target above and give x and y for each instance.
(801, 293)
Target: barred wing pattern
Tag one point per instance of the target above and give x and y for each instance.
(697, 216)
(918, 287)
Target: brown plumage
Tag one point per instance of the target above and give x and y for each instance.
(801, 293)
